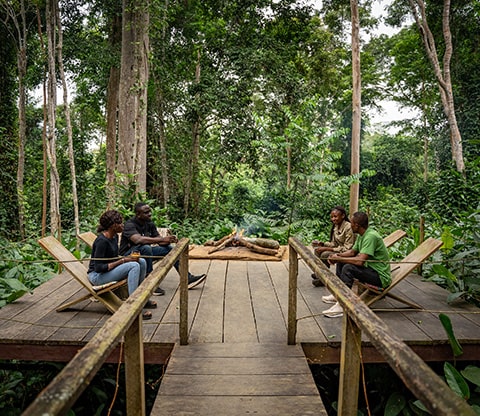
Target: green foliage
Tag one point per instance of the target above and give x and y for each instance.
(20, 270)
(460, 260)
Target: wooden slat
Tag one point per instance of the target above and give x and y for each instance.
(207, 379)
(239, 318)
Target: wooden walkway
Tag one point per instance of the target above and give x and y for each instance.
(241, 308)
(252, 378)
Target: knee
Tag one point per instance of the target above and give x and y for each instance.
(146, 250)
(348, 270)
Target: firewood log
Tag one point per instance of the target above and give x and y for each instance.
(263, 242)
(222, 245)
(257, 249)
(218, 242)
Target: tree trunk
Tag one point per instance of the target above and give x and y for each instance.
(443, 77)
(193, 165)
(132, 125)
(55, 228)
(66, 107)
(356, 106)
(44, 130)
(115, 39)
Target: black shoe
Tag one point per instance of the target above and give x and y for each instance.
(314, 276)
(159, 291)
(195, 280)
(317, 283)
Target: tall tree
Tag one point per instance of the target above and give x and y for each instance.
(66, 107)
(51, 25)
(17, 14)
(115, 39)
(356, 105)
(132, 122)
(442, 72)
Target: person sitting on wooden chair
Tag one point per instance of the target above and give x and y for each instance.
(367, 261)
(140, 234)
(341, 239)
(106, 266)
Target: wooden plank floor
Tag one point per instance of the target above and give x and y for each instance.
(240, 302)
(245, 378)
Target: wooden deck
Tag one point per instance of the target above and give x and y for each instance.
(240, 302)
(241, 308)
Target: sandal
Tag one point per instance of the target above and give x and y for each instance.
(147, 315)
(151, 304)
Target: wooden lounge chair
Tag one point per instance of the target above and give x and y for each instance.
(401, 270)
(77, 269)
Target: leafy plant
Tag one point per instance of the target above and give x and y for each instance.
(459, 270)
(457, 380)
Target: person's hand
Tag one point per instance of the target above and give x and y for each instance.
(333, 259)
(134, 256)
(316, 243)
(173, 238)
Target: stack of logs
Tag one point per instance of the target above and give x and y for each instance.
(258, 245)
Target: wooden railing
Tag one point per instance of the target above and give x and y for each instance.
(60, 395)
(426, 385)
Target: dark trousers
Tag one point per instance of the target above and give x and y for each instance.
(155, 251)
(348, 272)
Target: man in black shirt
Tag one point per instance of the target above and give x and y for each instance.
(141, 234)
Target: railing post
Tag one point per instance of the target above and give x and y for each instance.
(183, 271)
(292, 294)
(349, 367)
(134, 369)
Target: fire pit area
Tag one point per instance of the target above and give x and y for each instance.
(236, 246)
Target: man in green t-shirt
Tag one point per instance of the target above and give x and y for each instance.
(367, 261)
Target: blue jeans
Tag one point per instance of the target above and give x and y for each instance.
(133, 271)
(153, 251)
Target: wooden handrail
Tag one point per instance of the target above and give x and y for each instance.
(422, 381)
(60, 395)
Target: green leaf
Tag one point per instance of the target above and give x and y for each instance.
(447, 325)
(441, 270)
(472, 374)
(447, 238)
(15, 284)
(395, 404)
(455, 380)
(418, 404)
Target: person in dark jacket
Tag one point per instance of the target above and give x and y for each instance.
(141, 234)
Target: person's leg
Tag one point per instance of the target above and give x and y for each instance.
(323, 256)
(363, 274)
(130, 271)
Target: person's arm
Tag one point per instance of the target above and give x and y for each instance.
(131, 232)
(351, 256)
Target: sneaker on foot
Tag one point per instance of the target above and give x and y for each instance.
(329, 299)
(317, 283)
(195, 280)
(159, 291)
(336, 311)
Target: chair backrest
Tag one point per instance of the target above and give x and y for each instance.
(88, 238)
(417, 256)
(75, 267)
(392, 238)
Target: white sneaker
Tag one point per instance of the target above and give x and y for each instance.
(336, 311)
(329, 299)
